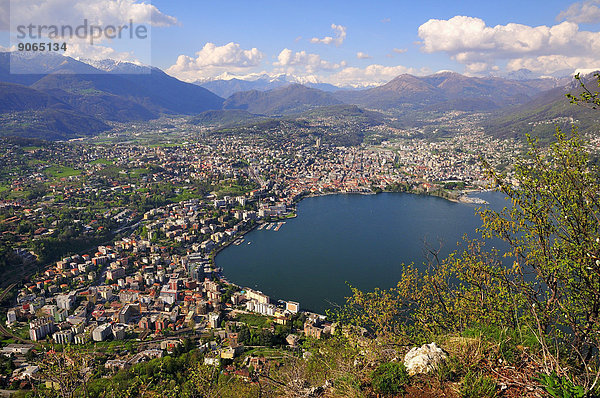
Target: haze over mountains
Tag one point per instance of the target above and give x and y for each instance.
(96, 95)
(74, 99)
(227, 87)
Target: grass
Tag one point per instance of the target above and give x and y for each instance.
(3, 188)
(234, 190)
(102, 161)
(61, 171)
(477, 386)
(266, 352)
(139, 172)
(254, 320)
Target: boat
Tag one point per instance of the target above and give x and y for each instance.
(269, 226)
(279, 225)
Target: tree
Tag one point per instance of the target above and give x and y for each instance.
(553, 229)
(552, 289)
(68, 371)
(586, 97)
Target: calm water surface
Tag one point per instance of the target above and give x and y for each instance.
(359, 239)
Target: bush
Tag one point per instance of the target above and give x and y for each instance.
(474, 386)
(561, 387)
(390, 378)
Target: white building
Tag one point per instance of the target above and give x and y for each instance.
(257, 296)
(102, 332)
(63, 337)
(65, 301)
(11, 317)
(118, 332)
(292, 306)
(261, 308)
(213, 320)
(40, 328)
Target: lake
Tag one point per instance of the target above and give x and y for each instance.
(362, 240)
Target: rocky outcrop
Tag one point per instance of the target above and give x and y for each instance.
(424, 359)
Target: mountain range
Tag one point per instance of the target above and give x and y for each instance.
(541, 116)
(96, 95)
(227, 87)
(74, 98)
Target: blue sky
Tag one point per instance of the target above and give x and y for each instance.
(360, 43)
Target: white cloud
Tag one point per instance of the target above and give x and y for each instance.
(302, 62)
(581, 12)
(554, 63)
(400, 50)
(101, 12)
(371, 75)
(213, 60)
(386, 20)
(469, 41)
(361, 55)
(103, 23)
(340, 36)
(82, 50)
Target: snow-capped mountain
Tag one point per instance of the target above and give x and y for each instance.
(226, 84)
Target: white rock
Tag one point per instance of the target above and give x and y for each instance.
(424, 359)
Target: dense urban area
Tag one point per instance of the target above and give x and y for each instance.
(116, 241)
(108, 244)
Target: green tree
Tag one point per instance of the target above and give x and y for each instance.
(586, 97)
(553, 229)
(551, 289)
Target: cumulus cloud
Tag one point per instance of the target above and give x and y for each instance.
(340, 36)
(82, 50)
(103, 23)
(469, 41)
(289, 61)
(400, 50)
(581, 12)
(554, 63)
(212, 60)
(361, 55)
(74, 12)
(371, 75)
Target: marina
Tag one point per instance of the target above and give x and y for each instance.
(279, 225)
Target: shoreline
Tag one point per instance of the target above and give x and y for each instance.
(216, 251)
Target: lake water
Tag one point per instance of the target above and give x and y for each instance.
(359, 239)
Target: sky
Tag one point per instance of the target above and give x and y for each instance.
(354, 43)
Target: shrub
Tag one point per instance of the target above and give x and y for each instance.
(560, 387)
(390, 378)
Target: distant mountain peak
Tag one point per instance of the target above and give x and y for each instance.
(118, 66)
